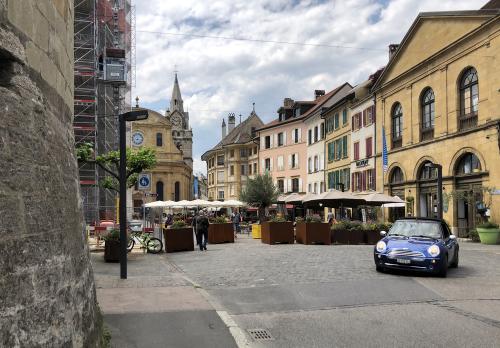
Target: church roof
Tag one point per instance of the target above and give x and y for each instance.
(241, 134)
(176, 96)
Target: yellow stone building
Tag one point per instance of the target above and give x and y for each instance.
(438, 101)
(234, 159)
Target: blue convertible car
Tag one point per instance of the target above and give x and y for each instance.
(420, 244)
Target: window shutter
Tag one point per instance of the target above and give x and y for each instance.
(374, 180)
(297, 160)
(352, 122)
(271, 164)
(262, 142)
(322, 162)
(263, 164)
(300, 135)
(363, 181)
(300, 184)
(289, 185)
(373, 114)
(284, 138)
(289, 161)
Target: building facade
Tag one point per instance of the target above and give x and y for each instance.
(439, 106)
(233, 159)
(337, 144)
(171, 178)
(315, 130)
(283, 144)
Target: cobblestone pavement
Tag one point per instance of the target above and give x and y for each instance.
(329, 296)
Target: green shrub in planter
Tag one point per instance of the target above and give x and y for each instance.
(112, 236)
(474, 236)
(313, 218)
(277, 219)
(488, 232)
(219, 220)
(179, 224)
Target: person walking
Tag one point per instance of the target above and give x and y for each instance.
(202, 231)
(236, 219)
(193, 224)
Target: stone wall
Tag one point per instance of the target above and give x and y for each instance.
(47, 292)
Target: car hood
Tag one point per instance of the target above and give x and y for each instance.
(415, 244)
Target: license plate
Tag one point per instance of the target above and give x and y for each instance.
(403, 261)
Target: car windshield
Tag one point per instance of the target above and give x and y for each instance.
(416, 228)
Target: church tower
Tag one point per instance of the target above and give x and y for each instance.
(181, 132)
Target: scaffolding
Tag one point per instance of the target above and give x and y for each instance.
(103, 75)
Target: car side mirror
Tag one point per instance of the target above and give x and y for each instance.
(452, 236)
(383, 233)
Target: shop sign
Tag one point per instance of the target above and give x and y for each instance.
(362, 163)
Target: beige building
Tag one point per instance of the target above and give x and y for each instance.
(233, 159)
(438, 102)
(172, 176)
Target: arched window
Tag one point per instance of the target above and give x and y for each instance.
(396, 176)
(469, 99)
(427, 105)
(159, 191)
(159, 139)
(469, 163)
(427, 172)
(397, 125)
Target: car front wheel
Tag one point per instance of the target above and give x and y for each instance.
(380, 269)
(454, 264)
(443, 272)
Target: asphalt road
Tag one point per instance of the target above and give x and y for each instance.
(331, 296)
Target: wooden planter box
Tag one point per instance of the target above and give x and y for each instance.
(277, 232)
(313, 233)
(112, 251)
(220, 233)
(372, 236)
(178, 239)
(348, 236)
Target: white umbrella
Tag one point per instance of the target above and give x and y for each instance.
(335, 198)
(394, 205)
(232, 203)
(380, 198)
(294, 198)
(156, 204)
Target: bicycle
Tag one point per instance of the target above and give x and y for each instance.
(151, 244)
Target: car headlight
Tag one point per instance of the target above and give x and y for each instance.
(433, 250)
(381, 246)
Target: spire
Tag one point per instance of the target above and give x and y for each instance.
(176, 102)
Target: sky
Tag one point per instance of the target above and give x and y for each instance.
(317, 45)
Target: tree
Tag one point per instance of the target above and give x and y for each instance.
(137, 161)
(260, 192)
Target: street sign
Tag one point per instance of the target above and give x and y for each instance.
(144, 181)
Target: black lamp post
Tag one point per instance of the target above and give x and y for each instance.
(135, 115)
(439, 188)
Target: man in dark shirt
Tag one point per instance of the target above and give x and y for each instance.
(202, 230)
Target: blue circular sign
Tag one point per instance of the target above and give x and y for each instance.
(144, 181)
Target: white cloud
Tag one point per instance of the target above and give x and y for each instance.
(220, 76)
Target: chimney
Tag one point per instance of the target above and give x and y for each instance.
(231, 121)
(318, 93)
(223, 128)
(393, 48)
(288, 102)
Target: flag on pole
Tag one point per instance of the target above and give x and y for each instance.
(385, 161)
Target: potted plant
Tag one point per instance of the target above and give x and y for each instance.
(312, 230)
(178, 237)
(489, 233)
(347, 232)
(220, 230)
(260, 192)
(112, 246)
(277, 230)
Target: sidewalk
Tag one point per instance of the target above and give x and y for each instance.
(156, 306)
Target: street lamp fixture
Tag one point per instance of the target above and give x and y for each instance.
(439, 187)
(136, 115)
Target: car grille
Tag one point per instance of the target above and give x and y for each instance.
(405, 252)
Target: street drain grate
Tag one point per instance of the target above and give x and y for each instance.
(260, 335)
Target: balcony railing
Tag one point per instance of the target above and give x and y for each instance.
(467, 121)
(426, 133)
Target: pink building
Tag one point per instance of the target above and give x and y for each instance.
(283, 143)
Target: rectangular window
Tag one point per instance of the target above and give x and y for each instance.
(369, 116)
(338, 149)
(296, 135)
(220, 176)
(295, 185)
(255, 168)
(159, 139)
(316, 134)
(331, 151)
(220, 195)
(280, 139)
(344, 147)
(344, 117)
(280, 163)
(368, 147)
(267, 164)
(255, 150)
(243, 169)
(231, 154)
(356, 150)
(309, 165)
(322, 131)
(231, 170)
(281, 185)
(309, 141)
(316, 163)
(243, 153)
(220, 160)
(267, 142)
(250, 169)
(294, 161)
(370, 180)
(336, 121)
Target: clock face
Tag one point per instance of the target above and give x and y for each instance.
(176, 121)
(137, 138)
